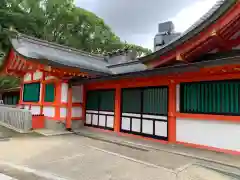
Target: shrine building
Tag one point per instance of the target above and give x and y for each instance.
(186, 92)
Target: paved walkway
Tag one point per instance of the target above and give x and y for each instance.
(5, 177)
(195, 153)
(74, 157)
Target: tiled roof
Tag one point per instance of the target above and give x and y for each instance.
(211, 16)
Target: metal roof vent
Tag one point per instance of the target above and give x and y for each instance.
(165, 35)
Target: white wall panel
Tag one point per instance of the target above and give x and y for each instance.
(147, 126)
(136, 125)
(161, 128)
(76, 112)
(125, 123)
(218, 134)
(77, 94)
(27, 77)
(102, 120)
(49, 111)
(178, 97)
(88, 119)
(95, 119)
(64, 92)
(35, 110)
(63, 112)
(37, 75)
(110, 121)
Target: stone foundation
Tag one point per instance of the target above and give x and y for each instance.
(54, 124)
(77, 124)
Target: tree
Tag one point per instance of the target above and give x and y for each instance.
(59, 21)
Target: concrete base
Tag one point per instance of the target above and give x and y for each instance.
(54, 124)
(77, 124)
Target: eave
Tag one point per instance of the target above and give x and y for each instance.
(229, 63)
(201, 38)
(29, 54)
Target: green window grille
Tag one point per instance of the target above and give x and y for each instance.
(155, 101)
(31, 92)
(92, 100)
(15, 99)
(49, 92)
(101, 100)
(5, 100)
(131, 100)
(152, 100)
(106, 100)
(215, 97)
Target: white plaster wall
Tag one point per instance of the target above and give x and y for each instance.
(37, 75)
(88, 118)
(76, 112)
(147, 126)
(218, 134)
(27, 77)
(49, 111)
(35, 110)
(63, 112)
(102, 120)
(64, 92)
(161, 128)
(125, 123)
(110, 121)
(77, 94)
(136, 124)
(177, 97)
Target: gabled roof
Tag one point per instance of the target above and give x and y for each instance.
(57, 55)
(209, 18)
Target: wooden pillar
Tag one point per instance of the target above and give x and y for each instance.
(58, 96)
(84, 101)
(172, 112)
(21, 92)
(69, 107)
(42, 91)
(117, 119)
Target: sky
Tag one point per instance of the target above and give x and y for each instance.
(136, 21)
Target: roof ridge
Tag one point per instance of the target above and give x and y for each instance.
(58, 46)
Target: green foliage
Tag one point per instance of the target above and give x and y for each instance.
(59, 21)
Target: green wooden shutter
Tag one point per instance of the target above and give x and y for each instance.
(92, 100)
(31, 92)
(131, 100)
(155, 100)
(49, 92)
(107, 100)
(215, 97)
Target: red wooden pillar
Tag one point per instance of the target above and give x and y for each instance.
(69, 107)
(84, 101)
(172, 112)
(117, 120)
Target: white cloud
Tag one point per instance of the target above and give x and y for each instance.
(189, 15)
(136, 21)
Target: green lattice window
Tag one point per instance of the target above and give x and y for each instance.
(106, 100)
(155, 101)
(131, 100)
(31, 92)
(216, 97)
(49, 92)
(101, 100)
(92, 100)
(152, 100)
